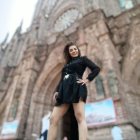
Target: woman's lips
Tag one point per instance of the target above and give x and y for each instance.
(74, 54)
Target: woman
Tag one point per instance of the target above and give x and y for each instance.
(72, 90)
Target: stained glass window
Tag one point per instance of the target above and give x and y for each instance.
(126, 4)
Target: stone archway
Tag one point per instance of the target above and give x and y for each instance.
(43, 99)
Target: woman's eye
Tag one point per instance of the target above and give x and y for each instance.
(74, 49)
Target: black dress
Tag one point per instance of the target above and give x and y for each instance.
(69, 91)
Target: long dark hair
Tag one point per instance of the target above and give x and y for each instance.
(67, 55)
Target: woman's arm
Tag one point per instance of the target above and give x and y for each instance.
(93, 67)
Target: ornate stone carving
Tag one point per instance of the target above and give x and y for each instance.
(67, 19)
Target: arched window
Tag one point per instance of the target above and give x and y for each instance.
(126, 4)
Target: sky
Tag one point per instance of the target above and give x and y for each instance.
(12, 12)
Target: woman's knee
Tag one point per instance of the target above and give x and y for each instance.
(54, 120)
(79, 116)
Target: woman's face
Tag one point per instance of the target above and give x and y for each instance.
(73, 51)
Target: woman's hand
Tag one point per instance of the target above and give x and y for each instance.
(82, 81)
(55, 96)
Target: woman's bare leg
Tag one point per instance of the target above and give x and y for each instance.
(56, 115)
(79, 110)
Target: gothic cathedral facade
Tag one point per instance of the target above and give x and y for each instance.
(108, 33)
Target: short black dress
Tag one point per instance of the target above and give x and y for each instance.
(69, 91)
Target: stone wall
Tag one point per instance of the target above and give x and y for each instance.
(127, 131)
(125, 33)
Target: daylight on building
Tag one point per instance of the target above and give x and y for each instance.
(107, 32)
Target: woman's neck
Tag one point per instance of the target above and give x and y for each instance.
(73, 58)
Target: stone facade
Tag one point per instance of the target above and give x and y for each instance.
(30, 66)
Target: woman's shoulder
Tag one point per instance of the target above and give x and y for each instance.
(86, 60)
(84, 57)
